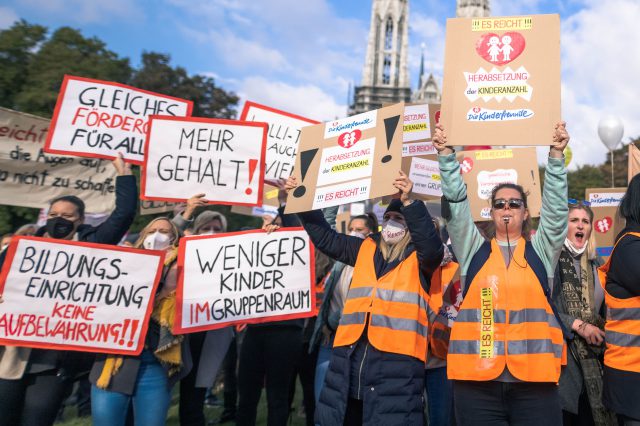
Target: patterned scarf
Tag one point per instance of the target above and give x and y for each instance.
(578, 294)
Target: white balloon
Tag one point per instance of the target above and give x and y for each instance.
(610, 130)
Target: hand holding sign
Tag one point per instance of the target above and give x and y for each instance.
(440, 141)
(122, 168)
(560, 140)
(404, 185)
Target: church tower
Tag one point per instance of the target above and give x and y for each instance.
(473, 8)
(385, 77)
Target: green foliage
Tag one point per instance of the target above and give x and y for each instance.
(17, 45)
(67, 52)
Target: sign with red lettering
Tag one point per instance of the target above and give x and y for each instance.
(100, 119)
(336, 160)
(501, 80)
(223, 159)
(77, 296)
(244, 277)
(282, 139)
(607, 223)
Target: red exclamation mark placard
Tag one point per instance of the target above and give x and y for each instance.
(134, 330)
(252, 168)
(123, 333)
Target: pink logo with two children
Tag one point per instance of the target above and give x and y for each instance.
(500, 50)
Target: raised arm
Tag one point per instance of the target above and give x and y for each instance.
(424, 236)
(554, 212)
(465, 237)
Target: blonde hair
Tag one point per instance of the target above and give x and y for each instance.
(391, 252)
(145, 231)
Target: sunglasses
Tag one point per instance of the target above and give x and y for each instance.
(513, 203)
(574, 203)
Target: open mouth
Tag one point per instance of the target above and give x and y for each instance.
(579, 237)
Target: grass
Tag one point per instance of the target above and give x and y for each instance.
(210, 413)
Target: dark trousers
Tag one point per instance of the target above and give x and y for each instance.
(33, 400)
(584, 416)
(230, 379)
(500, 403)
(267, 356)
(306, 370)
(192, 398)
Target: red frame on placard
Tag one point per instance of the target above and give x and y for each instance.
(54, 120)
(11, 252)
(260, 171)
(250, 104)
(178, 329)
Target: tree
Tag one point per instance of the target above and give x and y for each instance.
(208, 100)
(67, 52)
(17, 47)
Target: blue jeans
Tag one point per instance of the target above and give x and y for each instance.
(322, 365)
(150, 398)
(439, 396)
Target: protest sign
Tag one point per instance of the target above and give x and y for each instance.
(244, 277)
(336, 160)
(77, 296)
(501, 80)
(419, 159)
(223, 159)
(153, 207)
(99, 119)
(282, 138)
(606, 222)
(31, 178)
(483, 170)
(634, 161)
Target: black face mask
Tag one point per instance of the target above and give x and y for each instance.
(59, 227)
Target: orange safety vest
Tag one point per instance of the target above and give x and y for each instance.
(440, 323)
(622, 329)
(505, 320)
(393, 306)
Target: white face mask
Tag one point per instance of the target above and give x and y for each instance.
(156, 241)
(357, 234)
(575, 252)
(392, 231)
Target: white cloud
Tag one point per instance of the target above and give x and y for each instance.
(600, 71)
(306, 100)
(87, 11)
(7, 17)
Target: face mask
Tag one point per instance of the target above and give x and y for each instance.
(357, 234)
(575, 252)
(4, 247)
(392, 231)
(156, 241)
(59, 227)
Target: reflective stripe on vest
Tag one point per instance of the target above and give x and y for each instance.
(395, 305)
(622, 329)
(505, 321)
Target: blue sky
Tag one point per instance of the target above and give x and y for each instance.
(301, 55)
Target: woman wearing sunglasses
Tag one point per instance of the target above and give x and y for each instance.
(506, 344)
(579, 298)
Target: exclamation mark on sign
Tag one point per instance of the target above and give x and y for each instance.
(306, 157)
(123, 333)
(390, 126)
(134, 329)
(252, 169)
(533, 178)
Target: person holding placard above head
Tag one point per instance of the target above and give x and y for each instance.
(506, 347)
(376, 371)
(579, 298)
(621, 279)
(145, 381)
(34, 382)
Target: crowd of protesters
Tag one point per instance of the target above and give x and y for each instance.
(537, 330)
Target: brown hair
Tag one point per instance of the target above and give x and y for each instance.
(526, 224)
